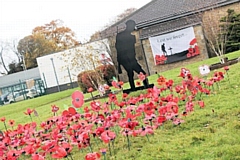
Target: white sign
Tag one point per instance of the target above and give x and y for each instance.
(174, 46)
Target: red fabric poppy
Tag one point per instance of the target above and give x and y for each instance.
(77, 99)
(161, 119)
(201, 104)
(3, 119)
(93, 156)
(70, 112)
(226, 68)
(11, 122)
(138, 83)
(59, 152)
(28, 112)
(108, 136)
(161, 81)
(54, 108)
(141, 76)
(90, 89)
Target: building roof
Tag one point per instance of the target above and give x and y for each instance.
(158, 11)
(15, 78)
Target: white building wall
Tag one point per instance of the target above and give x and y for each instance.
(66, 60)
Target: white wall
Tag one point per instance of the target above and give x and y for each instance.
(74, 59)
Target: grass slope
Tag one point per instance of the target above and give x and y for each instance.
(204, 134)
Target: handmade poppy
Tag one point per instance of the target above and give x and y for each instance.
(201, 104)
(184, 72)
(93, 156)
(54, 108)
(90, 90)
(28, 112)
(77, 99)
(108, 136)
(141, 76)
(124, 95)
(226, 68)
(68, 113)
(138, 83)
(3, 119)
(161, 81)
(161, 119)
(59, 152)
(11, 122)
(95, 105)
(37, 157)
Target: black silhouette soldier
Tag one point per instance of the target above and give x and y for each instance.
(164, 49)
(125, 46)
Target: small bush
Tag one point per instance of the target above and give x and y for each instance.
(107, 72)
(91, 78)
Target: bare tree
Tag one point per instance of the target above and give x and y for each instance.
(215, 30)
(3, 50)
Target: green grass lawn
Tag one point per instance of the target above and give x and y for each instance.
(204, 135)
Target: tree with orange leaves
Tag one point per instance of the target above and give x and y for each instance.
(55, 31)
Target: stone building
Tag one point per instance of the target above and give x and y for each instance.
(159, 18)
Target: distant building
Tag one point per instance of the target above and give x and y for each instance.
(20, 80)
(59, 70)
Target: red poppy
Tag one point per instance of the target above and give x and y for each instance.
(37, 157)
(93, 156)
(28, 112)
(161, 119)
(90, 89)
(11, 122)
(117, 84)
(77, 99)
(141, 76)
(184, 72)
(201, 104)
(3, 119)
(108, 136)
(161, 81)
(68, 113)
(138, 83)
(189, 55)
(124, 95)
(226, 68)
(59, 152)
(95, 105)
(54, 108)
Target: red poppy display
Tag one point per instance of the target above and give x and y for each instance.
(135, 116)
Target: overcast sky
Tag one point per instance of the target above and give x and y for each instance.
(84, 17)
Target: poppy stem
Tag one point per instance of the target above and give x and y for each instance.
(92, 96)
(109, 149)
(113, 146)
(5, 125)
(90, 147)
(128, 142)
(228, 78)
(71, 156)
(147, 137)
(30, 117)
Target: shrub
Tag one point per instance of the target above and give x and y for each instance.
(108, 72)
(92, 78)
